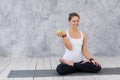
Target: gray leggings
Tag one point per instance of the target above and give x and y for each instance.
(64, 69)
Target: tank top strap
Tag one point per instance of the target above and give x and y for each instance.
(81, 34)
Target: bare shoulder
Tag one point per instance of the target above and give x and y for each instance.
(84, 35)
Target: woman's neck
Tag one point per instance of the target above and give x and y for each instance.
(73, 29)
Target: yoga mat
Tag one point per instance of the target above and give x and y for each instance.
(53, 73)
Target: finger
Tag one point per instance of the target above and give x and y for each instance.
(84, 62)
(97, 64)
(58, 35)
(94, 63)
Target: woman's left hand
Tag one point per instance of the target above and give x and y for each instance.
(95, 63)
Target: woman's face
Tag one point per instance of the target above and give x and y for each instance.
(74, 22)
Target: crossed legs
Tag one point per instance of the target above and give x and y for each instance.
(64, 69)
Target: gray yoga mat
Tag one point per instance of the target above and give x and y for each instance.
(53, 73)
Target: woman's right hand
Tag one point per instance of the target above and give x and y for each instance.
(60, 33)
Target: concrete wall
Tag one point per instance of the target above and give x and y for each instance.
(28, 27)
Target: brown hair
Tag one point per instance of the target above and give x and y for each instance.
(71, 15)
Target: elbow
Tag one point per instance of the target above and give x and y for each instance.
(69, 48)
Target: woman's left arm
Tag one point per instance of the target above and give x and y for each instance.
(84, 47)
(85, 51)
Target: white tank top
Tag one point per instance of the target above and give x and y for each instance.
(75, 54)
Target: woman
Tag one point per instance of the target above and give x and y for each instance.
(75, 43)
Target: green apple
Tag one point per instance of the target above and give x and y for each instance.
(59, 31)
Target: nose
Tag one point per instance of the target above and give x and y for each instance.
(76, 23)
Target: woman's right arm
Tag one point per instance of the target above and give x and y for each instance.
(65, 40)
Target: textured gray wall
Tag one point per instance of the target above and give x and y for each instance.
(28, 27)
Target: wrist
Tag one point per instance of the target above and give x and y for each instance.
(91, 59)
(63, 36)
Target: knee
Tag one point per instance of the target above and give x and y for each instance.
(97, 69)
(60, 70)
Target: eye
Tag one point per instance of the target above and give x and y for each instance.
(73, 21)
